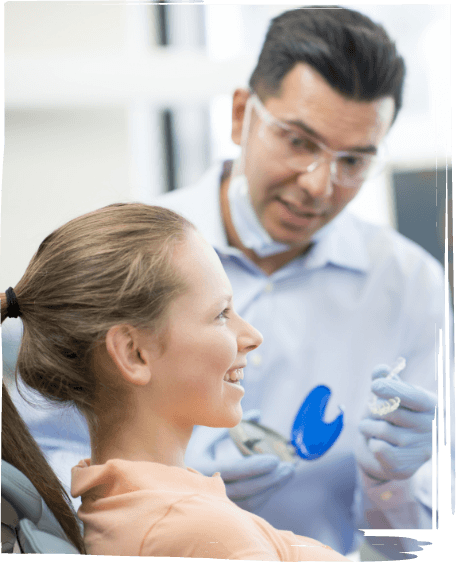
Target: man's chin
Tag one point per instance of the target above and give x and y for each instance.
(296, 234)
(294, 238)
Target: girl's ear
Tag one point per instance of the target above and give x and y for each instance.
(123, 344)
(240, 98)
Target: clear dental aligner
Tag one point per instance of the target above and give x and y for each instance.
(383, 407)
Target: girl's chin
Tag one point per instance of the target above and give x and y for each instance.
(228, 421)
(235, 423)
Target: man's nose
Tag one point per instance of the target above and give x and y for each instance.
(318, 183)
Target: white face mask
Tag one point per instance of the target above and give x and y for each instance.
(246, 223)
(245, 220)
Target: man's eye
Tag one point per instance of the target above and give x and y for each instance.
(353, 162)
(298, 142)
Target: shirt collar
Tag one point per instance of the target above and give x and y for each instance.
(209, 205)
(341, 243)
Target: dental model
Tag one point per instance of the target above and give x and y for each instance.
(383, 407)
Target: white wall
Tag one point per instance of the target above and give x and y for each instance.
(57, 164)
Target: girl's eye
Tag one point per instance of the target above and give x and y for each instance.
(223, 314)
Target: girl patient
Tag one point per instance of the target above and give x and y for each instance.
(128, 315)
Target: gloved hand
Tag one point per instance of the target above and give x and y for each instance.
(395, 445)
(250, 481)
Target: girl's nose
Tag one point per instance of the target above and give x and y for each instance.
(249, 338)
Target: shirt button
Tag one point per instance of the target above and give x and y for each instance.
(256, 360)
(268, 288)
(386, 495)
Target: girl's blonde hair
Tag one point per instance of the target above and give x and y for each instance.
(108, 267)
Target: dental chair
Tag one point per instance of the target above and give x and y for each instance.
(28, 525)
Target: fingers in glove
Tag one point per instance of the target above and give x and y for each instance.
(243, 490)
(397, 462)
(381, 371)
(394, 435)
(421, 422)
(249, 467)
(412, 397)
(255, 502)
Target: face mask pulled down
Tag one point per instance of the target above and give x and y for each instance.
(245, 221)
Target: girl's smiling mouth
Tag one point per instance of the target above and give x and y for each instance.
(234, 375)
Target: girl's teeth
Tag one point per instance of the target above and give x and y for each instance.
(234, 376)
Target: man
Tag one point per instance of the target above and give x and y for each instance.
(333, 296)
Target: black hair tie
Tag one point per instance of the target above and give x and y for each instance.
(12, 306)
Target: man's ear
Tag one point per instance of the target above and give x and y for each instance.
(240, 98)
(123, 344)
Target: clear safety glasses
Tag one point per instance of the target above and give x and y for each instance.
(301, 152)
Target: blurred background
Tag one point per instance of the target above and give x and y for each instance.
(108, 102)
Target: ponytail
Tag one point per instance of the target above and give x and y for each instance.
(21, 451)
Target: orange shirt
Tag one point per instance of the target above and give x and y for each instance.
(135, 508)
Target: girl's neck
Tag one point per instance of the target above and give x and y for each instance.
(151, 439)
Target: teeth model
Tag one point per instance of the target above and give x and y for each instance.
(383, 407)
(387, 407)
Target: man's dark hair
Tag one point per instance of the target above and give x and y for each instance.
(353, 54)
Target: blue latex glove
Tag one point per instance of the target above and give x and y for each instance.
(250, 481)
(397, 444)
